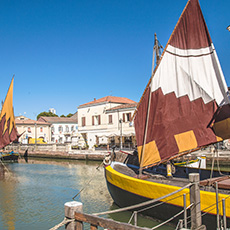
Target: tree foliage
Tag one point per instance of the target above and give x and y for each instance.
(46, 114)
(69, 115)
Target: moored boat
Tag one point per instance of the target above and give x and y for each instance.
(184, 107)
(9, 156)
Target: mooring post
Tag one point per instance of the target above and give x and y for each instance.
(224, 214)
(70, 209)
(185, 211)
(135, 218)
(217, 207)
(196, 221)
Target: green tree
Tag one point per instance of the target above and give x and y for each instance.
(69, 115)
(46, 114)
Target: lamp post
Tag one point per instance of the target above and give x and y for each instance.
(121, 134)
(228, 28)
(35, 125)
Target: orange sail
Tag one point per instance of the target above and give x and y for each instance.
(8, 131)
(182, 102)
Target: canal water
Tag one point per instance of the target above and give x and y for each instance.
(33, 194)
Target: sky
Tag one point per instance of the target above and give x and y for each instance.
(65, 53)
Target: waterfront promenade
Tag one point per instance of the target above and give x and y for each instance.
(65, 152)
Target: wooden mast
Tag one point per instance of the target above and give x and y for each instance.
(156, 51)
(149, 85)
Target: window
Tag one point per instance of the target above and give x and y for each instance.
(83, 121)
(67, 128)
(110, 119)
(41, 129)
(72, 128)
(29, 130)
(60, 129)
(126, 117)
(52, 129)
(96, 120)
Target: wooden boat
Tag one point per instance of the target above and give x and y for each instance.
(9, 156)
(8, 131)
(184, 107)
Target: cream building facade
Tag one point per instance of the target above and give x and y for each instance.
(32, 129)
(104, 121)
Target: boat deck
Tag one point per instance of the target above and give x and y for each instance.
(180, 182)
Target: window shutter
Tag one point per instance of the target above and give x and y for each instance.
(99, 119)
(123, 117)
(83, 121)
(92, 120)
(110, 119)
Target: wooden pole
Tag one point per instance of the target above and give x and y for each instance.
(196, 221)
(135, 218)
(217, 208)
(224, 214)
(185, 211)
(70, 209)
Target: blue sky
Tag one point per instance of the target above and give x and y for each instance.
(65, 53)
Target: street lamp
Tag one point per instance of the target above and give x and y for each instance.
(228, 28)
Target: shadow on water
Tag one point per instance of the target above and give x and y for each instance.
(142, 221)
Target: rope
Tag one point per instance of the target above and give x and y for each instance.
(4, 166)
(131, 217)
(65, 221)
(208, 209)
(153, 206)
(217, 161)
(179, 213)
(212, 164)
(88, 181)
(144, 203)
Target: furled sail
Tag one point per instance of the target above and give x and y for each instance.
(183, 98)
(8, 131)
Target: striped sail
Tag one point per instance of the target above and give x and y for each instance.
(8, 131)
(186, 93)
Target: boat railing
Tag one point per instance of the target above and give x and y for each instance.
(75, 217)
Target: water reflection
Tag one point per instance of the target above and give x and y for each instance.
(34, 194)
(7, 209)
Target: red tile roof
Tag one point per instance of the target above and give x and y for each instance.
(130, 105)
(111, 99)
(30, 122)
(58, 119)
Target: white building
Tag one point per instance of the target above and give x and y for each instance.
(105, 120)
(63, 129)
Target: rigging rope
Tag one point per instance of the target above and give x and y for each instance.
(88, 181)
(144, 203)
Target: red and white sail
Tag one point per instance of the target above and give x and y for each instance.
(185, 93)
